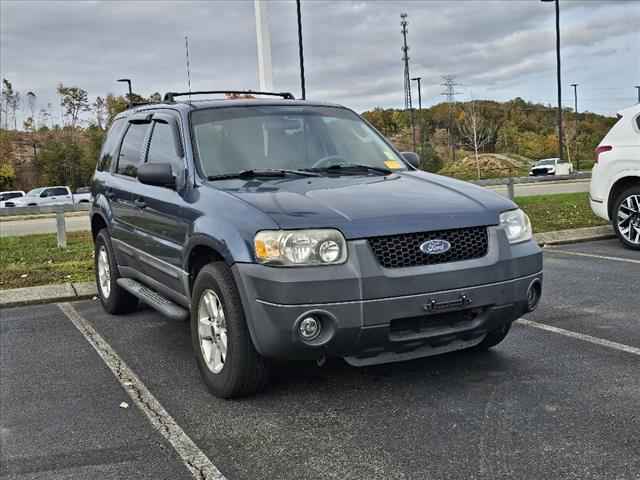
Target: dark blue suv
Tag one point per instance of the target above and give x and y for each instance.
(291, 229)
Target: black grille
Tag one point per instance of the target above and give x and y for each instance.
(398, 251)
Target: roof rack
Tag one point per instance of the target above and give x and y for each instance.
(170, 96)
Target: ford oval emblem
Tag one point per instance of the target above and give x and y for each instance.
(435, 247)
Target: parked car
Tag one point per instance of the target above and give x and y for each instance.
(551, 166)
(44, 196)
(293, 230)
(615, 179)
(82, 195)
(10, 195)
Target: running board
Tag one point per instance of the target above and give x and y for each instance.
(153, 299)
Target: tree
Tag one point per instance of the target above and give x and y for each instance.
(115, 105)
(7, 176)
(100, 109)
(155, 98)
(475, 130)
(75, 100)
(31, 102)
(11, 103)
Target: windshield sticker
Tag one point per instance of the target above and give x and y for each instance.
(393, 164)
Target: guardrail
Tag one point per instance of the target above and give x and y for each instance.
(59, 210)
(510, 182)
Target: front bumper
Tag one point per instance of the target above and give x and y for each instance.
(370, 314)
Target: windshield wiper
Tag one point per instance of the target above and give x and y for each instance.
(262, 172)
(352, 167)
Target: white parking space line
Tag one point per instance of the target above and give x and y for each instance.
(591, 255)
(581, 336)
(194, 459)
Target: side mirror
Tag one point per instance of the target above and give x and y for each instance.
(158, 174)
(412, 157)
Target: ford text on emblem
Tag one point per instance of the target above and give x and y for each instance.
(435, 247)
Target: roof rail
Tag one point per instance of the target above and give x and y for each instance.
(170, 96)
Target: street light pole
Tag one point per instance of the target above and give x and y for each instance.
(559, 75)
(128, 81)
(638, 88)
(300, 50)
(575, 112)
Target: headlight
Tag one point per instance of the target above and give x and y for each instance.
(291, 248)
(517, 226)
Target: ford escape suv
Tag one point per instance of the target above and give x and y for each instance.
(287, 229)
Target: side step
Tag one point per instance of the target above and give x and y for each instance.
(153, 299)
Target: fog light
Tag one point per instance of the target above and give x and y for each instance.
(309, 328)
(533, 295)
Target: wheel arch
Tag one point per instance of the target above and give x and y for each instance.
(98, 222)
(617, 188)
(201, 250)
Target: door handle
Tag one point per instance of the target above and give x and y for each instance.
(140, 203)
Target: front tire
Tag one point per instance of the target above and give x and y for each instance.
(114, 298)
(626, 217)
(227, 359)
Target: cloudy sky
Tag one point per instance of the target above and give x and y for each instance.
(496, 49)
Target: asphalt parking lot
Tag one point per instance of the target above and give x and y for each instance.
(560, 398)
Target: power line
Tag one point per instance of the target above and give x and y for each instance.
(450, 92)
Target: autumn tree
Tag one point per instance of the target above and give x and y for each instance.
(31, 103)
(100, 110)
(10, 103)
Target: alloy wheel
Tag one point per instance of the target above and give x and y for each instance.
(629, 219)
(212, 331)
(104, 272)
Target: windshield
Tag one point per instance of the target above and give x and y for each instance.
(230, 140)
(550, 161)
(35, 192)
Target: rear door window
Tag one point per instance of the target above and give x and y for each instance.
(132, 150)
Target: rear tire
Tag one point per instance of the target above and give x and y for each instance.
(227, 359)
(114, 298)
(626, 217)
(493, 338)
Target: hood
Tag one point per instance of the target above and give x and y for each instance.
(367, 206)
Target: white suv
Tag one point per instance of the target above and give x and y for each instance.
(615, 182)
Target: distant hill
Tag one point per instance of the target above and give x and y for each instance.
(515, 129)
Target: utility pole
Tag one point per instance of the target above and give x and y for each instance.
(450, 92)
(300, 51)
(638, 88)
(559, 75)
(419, 80)
(263, 34)
(407, 77)
(575, 112)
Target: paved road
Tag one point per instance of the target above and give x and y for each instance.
(42, 225)
(76, 223)
(543, 404)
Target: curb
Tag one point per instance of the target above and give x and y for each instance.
(82, 291)
(576, 235)
(65, 292)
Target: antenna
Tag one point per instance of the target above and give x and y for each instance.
(186, 45)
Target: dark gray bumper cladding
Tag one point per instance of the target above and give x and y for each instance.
(371, 315)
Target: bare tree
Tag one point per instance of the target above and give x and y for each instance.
(100, 109)
(31, 102)
(475, 130)
(11, 101)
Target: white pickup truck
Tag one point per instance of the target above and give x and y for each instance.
(46, 196)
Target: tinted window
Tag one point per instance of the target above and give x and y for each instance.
(162, 148)
(7, 196)
(56, 192)
(132, 149)
(111, 144)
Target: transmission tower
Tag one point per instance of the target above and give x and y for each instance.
(407, 77)
(449, 82)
